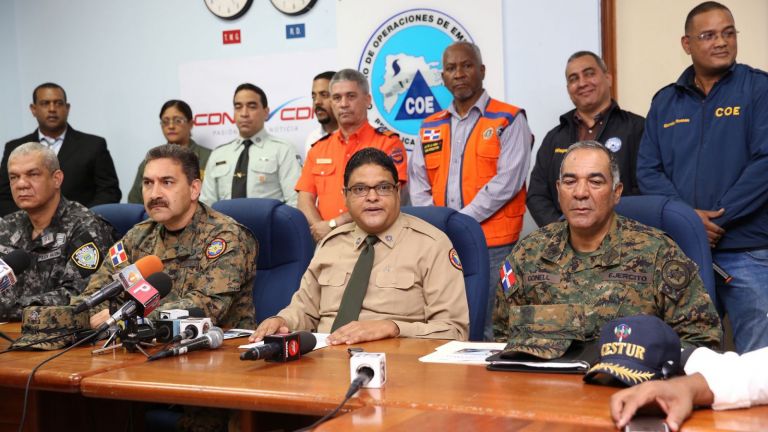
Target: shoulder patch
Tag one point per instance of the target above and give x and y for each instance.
(86, 256)
(117, 254)
(215, 248)
(397, 156)
(676, 274)
(453, 257)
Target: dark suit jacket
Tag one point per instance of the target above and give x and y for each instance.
(89, 173)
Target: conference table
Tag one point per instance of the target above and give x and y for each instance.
(417, 396)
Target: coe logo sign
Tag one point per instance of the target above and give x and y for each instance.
(403, 62)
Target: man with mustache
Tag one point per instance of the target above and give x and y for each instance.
(210, 257)
(596, 117)
(90, 176)
(321, 185)
(256, 164)
(564, 281)
(321, 100)
(706, 143)
(385, 275)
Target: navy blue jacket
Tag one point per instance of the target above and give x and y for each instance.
(712, 152)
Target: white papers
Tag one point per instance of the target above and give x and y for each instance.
(321, 342)
(463, 352)
(237, 333)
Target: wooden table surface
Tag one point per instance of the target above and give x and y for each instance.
(316, 383)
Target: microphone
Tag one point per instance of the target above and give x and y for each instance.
(211, 340)
(142, 297)
(189, 327)
(13, 263)
(282, 347)
(122, 281)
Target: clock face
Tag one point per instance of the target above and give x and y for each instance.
(293, 7)
(228, 9)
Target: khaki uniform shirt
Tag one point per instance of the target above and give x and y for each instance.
(273, 169)
(636, 270)
(413, 282)
(212, 263)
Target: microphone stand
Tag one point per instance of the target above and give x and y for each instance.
(131, 337)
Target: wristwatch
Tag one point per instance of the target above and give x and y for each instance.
(332, 224)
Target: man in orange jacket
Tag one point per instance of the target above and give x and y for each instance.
(474, 157)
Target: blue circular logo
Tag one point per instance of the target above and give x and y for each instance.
(403, 62)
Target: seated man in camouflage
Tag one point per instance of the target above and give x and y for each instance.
(211, 258)
(563, 281)
(66, 241)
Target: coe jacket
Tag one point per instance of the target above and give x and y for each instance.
(712, 151)
(621, 133)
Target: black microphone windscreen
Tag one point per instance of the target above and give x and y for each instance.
(307, 342)
(18, 260)
(161, 282)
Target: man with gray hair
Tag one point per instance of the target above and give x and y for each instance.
(322, 178)
(565, 280)
(596, 117)
(65, 240)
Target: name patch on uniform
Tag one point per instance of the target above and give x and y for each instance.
(324, 161)
(117, 254)
(453, 257)
(627, 277)
(221, 163)
(676, 122)
(86, 256)
(215, 248)
(542, 277)
(560, 150)
(432, 147)
(49, 255)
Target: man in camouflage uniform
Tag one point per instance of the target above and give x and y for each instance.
(565, 280)
(210, 257)
(65, 240)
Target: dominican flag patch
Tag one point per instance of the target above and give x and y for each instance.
(430, 135)
(117, 254)
(507, 276)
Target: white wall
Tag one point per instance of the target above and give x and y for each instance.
(119, 61)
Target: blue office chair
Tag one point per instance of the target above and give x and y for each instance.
(285, 249)
(122, 216)
(682, 224)
(469, 241)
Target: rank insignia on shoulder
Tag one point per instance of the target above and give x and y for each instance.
(86, 256)
(453, 257)
(117, 254)
(215, 248)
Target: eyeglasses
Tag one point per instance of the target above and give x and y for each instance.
(178, 121)
(709, 36)
(382, 189)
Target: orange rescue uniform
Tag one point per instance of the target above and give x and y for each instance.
(323, 172)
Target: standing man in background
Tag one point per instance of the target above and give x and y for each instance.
(321, 186)
(474, 158)
(321, 101)
(706, 143)
(256, 164)
(90, 174)
(596, 117)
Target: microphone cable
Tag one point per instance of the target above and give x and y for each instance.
(364, 375)
(32, 374)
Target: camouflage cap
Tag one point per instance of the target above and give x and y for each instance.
(636, 349)
(544, 331)
(50, 327)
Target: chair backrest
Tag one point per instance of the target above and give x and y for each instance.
(122, 216)
(285, 249)
(468, 240)
(682, 224)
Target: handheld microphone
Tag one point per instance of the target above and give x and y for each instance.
(143, 297)
(122, 281)
(282, 347)
(211, 340)
(13, 263)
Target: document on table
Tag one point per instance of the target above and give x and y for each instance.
(463, 352)
(321, 343)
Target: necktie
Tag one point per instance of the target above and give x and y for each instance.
(352, 300)
(240, 179)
